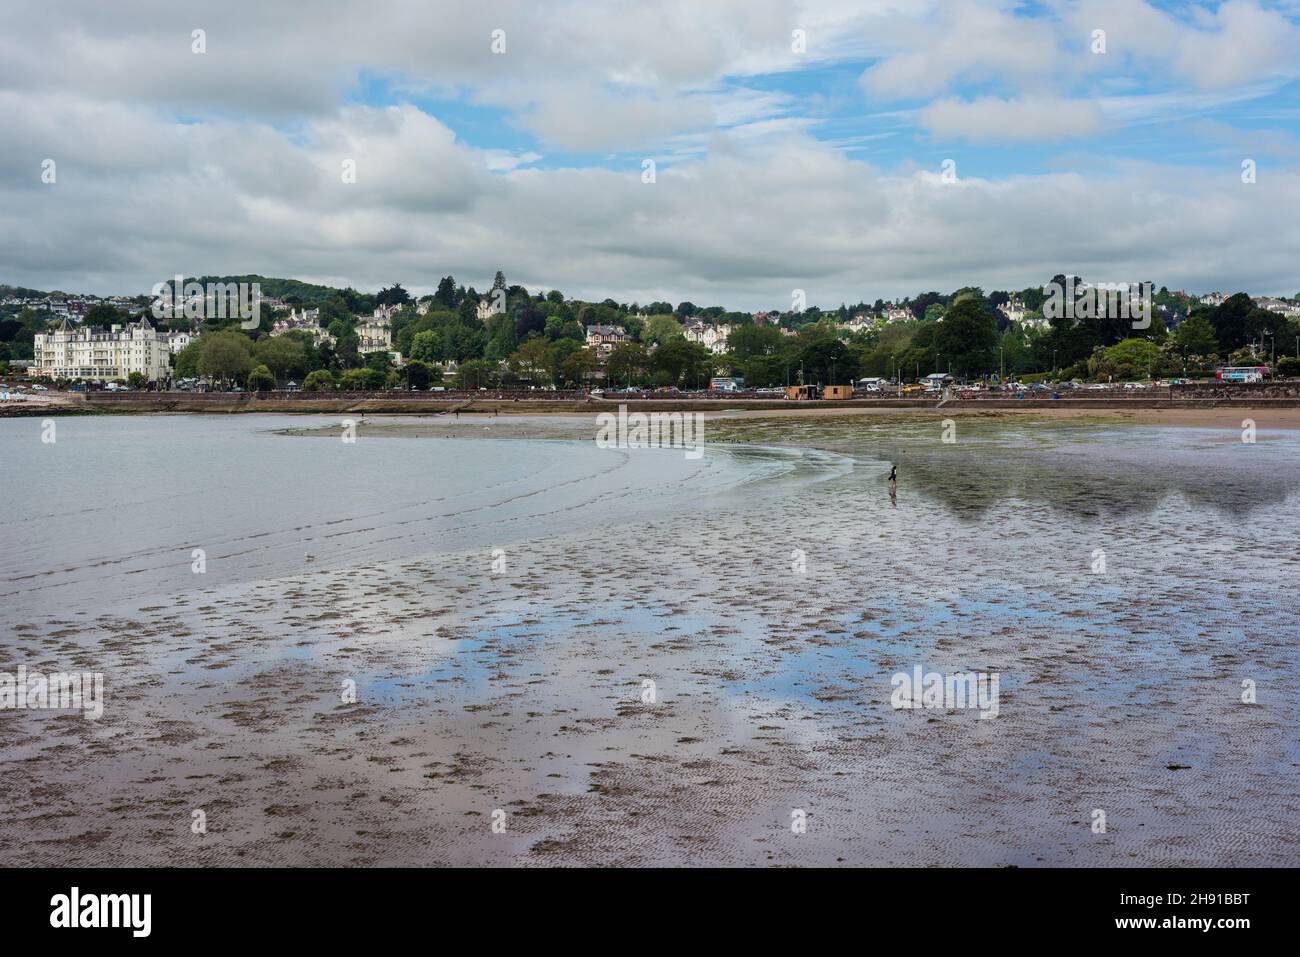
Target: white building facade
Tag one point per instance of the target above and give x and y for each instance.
(713, 338)
(81, 352)
(375, 335)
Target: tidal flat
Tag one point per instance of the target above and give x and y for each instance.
(396, 643)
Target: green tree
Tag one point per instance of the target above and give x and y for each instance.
(530, 362)
(420, 375)
(102, 314)
(261, 379)
(1229, 320)
(578, 366)
(476, 374)
(627, 363)
(1127, 359)
(826, 360)
(681, 363)
(225, 356)
(185, 364)
(746, 342)
(320, 380)
(363, 380)
(446, 294)
(427, 347)
(967, 339)
(283, 356)
(1196, 337)
(661, 329)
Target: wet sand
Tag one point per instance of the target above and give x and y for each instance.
(520, 690)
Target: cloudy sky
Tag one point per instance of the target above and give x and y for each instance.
(854, 150)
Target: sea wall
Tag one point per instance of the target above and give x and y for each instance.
(430, 403)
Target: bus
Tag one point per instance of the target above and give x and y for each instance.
(1241, 373)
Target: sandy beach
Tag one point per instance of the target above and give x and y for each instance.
(517, 696)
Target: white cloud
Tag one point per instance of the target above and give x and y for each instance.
(963, 39)
(990, 120)
(740, 227)
(1245, 43)
(747, 206)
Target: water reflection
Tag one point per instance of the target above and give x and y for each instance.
(1087, 471)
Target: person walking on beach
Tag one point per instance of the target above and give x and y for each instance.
(893, 477)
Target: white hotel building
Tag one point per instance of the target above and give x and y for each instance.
(81, 352)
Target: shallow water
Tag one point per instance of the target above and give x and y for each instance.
(770, 591)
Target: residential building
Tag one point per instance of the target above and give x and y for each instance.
(602, 339)
(86, 352)
(1280, 306)
(375, 334)
(308, 320)
(1014, 310)
(178, 340)
(862, 322)
(712, 337)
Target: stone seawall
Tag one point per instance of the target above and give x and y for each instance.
(504, 403)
